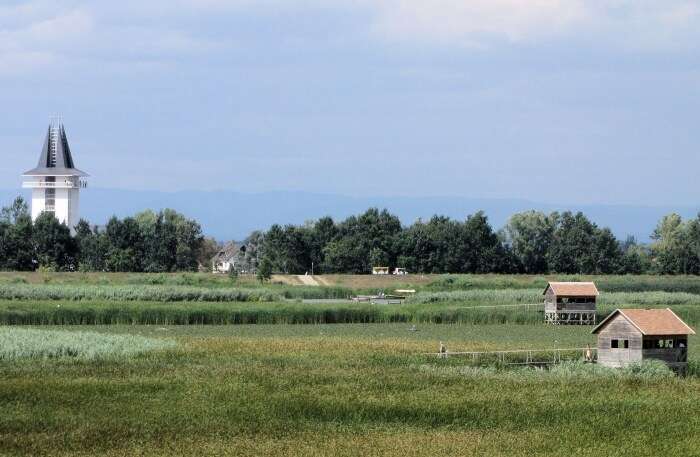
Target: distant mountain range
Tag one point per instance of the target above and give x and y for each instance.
(229, 215)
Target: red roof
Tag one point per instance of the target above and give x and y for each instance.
(651, 321)
(573, 289)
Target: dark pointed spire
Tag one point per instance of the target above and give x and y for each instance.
(55, 158)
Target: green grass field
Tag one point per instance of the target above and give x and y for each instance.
(337, 390)
(345, 389)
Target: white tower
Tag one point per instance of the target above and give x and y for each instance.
(55, 182)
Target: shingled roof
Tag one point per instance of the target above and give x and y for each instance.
(573, 289)
(227, 252)
(56, 158)
(651, 321)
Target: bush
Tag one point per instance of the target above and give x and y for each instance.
(648, 369)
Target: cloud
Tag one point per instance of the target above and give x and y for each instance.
(36, 34)
(626, 23)
(33, 36)
(469, 23)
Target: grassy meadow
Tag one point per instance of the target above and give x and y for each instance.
(205, 299)
(160, 365)
(338, 390)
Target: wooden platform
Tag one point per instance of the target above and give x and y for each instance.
(533, 357)
(570, 317)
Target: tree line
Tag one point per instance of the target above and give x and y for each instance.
(531, 242)
(148, 242)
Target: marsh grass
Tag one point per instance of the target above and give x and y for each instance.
(348, 390)
(573, 370)
(22, 343)
(27, 312)
(163, 293)
(534, 296)
(605, 283)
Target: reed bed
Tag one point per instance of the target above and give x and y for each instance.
(160, 293)
(571, 368)
(276, 391)
(286, 312)
(534, 296)
(21, 343)
(606, 283)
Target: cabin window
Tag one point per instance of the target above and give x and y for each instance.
(664, 343)
(619, 344)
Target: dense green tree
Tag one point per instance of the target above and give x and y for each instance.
(16, 247)
(11, 214)
(264, 272)
(289, 248)
(207, 250)
(529, 236)
(358, 237)
(54, 247)
(676, 246)
(580, 247)
(635, 257)
(481, 249)
(571, 246)
(188, 239)
(125, 245)
(92, 247)
(431, 247)
(323, 232)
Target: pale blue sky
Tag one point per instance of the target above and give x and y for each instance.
(565, 101)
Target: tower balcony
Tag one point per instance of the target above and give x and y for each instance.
(58, 184)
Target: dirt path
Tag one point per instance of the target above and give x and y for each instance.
(323, 281)
(308, 280)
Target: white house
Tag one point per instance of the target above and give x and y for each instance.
(55, 182)
(226, 258)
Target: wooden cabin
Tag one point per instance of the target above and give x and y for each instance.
(632, 335)
(570, 303)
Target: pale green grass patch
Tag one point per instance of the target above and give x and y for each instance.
(20, 343)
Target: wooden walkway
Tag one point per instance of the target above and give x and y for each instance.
(528, 305)
(530, 356)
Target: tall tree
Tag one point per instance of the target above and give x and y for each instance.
(358, 237)
(54, 247)
(674, 249)
(11, 214)
(481, 249)
(92, 247)
(529, 235)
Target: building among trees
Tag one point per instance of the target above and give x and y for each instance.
(55, 182)
(570, 303)
(632, 335)
(227, 258)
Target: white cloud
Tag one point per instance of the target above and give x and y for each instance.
(472, 21)
(33, 37)
(38, 33)
(627, 23)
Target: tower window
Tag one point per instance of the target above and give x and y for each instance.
(49, 199)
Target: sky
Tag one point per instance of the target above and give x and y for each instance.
(560, 101)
